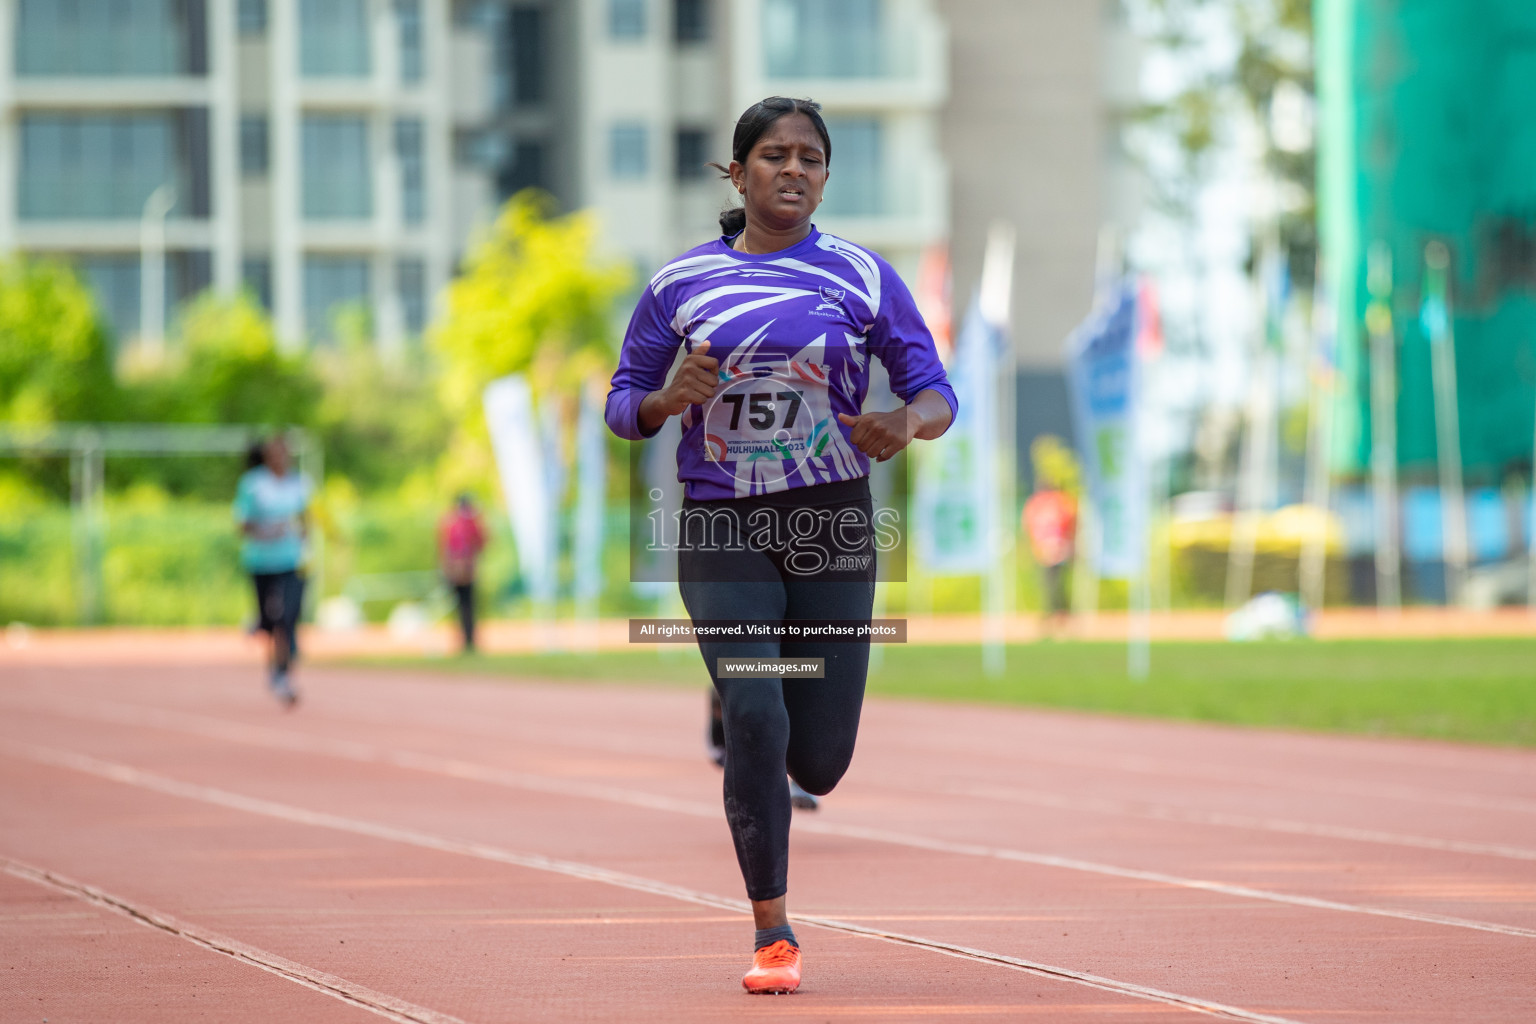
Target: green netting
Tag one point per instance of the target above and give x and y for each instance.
(1428, 134)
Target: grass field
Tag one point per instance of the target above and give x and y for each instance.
(1480, 691)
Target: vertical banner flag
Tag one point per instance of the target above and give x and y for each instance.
(591, 483)
(1105, 382)
(957, 479)
(509, 416)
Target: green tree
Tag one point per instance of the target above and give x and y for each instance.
(233, 371)
(381, 419)
(223, 365)
(55, 360)
(534, 298)
(1269, 74)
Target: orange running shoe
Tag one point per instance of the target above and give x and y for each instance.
(775, 970)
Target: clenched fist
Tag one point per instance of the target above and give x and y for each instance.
(880, 435)
(693, 384)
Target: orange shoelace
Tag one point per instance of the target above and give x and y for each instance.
(780, 954)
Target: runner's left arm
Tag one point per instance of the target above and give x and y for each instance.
(900, 339)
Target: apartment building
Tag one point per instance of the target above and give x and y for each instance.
(301, 148)
(618, 105)
(331, 152)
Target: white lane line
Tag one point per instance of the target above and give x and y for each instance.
(589, 872)
(1140, 764)
(253, 735)
(351, 993)
(368, 754)
(1193, 816)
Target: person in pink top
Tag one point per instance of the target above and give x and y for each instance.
(1050, 520)
(460, 539)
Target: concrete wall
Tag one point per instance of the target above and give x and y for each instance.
(1026, 133)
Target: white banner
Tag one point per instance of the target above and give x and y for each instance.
(957, 485)
(591, 497)
(520, 462)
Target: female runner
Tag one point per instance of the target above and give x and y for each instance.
(778, 321)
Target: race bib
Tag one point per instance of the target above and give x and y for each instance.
(780, 410)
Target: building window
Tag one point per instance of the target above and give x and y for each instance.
(252, 17)
(626, 19)
(114, 283)
(413, 169)
(519, 74)
(102, 37)
(98, 166)
(477, 15)
(629, 151)
(253, 145)
(333, 38)
(858, 187)
(524, 170)
(692, 154)
(691, 21)
(479, 150)
(333, 286)
(411, 286)
(823, 38)
(337, 172)
(256, 275)
(412, 59)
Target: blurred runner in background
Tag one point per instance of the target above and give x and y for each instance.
(460, 539)
(272, 509)
(1050, 520)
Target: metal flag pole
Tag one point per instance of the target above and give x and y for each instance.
(1442, 348)
(1378, 322)
(996, 306)
(1530, 534)
(152, 268)
(1314, 552)
(1256, 469)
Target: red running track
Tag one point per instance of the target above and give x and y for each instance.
(174, 847)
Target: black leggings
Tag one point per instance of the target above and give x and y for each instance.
(279, 602)
(805, 727)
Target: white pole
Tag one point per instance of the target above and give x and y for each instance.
(1314, 553)
(1085, 554)
(1528, 520)
(152, 269)
(1255, 472)
(1378, 322)
(1442, 347)
(995, 304)
(1138, 651)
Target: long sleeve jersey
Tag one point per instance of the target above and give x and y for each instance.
(793, 331)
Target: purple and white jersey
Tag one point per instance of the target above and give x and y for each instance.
(793, 331)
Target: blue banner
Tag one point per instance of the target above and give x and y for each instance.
(1104, 376)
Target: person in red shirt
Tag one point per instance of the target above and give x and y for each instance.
(1050, 520)
(460, 539)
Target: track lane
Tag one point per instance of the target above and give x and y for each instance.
(1506, 898)
(434, 940)
(1157, 927)
(663, 772)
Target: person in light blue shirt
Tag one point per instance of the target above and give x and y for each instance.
(272, 509)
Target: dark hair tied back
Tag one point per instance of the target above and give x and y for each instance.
(750, 127)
